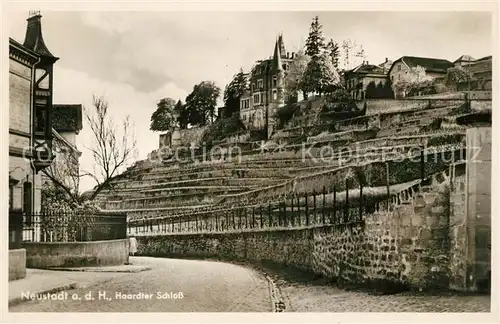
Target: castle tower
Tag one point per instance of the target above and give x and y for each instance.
(278, 74)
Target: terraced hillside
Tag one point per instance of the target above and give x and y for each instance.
(300, 159)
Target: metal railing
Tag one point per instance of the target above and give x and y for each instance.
(74, 226)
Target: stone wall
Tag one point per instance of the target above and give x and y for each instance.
(75, 254)
(17, 264)
(405, 246)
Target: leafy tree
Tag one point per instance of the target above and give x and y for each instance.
(295, 74)
(334, 52)
(163, 118)
(202, 102)
(387, 90)
(233, 92)
(315, 43)
(456, 75)
(181, 113)
(415, 79)
(379, 90)
(320, 75)
(371, 91)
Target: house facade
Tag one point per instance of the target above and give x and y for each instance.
(266, 94)
(30, 133)
(357, 80)
(481, 73)
(403, 70)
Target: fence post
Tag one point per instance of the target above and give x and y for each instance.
(261, 216)
(246, 218)
(216, 222)
(196, 222)
(239, 217)
(298, 210)
(292, 216)
(422, 164)
(232, 214)
(307, 209)
(227, 220)
(314, 207)
(324, 206)
(360, 201)
(334, 204)
(253, 216)
(387, 182)
(346, 207)
(269, 214)
(285, 220)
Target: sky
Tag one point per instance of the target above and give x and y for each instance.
(134, 59)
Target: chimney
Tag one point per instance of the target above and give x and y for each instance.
(287, 54)
(386, 60)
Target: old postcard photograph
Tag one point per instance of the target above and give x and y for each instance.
(334, 161)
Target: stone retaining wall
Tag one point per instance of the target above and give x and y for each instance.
(406, 246)
(74, 254)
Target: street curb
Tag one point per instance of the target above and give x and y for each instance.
(19, 300)
(99, 270)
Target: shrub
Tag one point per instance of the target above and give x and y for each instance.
(285, 114)
(222, 128)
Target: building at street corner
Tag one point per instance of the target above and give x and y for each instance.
(31, 134)
(267, 84)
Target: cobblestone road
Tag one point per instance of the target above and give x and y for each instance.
(302, 297)
(205, 286)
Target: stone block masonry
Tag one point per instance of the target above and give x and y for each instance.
(406, 246)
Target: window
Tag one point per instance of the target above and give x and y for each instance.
(275, 95)
(256, 98)
(245, 103)
(253, 86)
(275, 81)
(399, 67)
(260, 84)
(11, 197)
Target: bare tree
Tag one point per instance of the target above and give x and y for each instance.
(112, 153)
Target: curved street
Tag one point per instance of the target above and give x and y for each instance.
(171, 285)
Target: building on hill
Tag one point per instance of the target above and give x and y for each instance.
(357, 80)
(463, 60)
(481, 70)
(433, 69)
(266, 94)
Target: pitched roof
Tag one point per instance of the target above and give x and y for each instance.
(67, 117)
(429, 64)
(368, 68)
(464, 58)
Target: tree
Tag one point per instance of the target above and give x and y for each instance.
(320, 75)
(371, 90)
(112, 153)
(456, 75)
(202, 102)
(315, 43)
(352, 54)
(233, 92)
(181, 113)
(334, 52)
(295, 74)
(415, 79)
(163, 118)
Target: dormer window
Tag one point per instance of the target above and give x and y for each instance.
(275, 81)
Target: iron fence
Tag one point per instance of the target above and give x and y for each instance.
(316, 209)
(74, 226)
